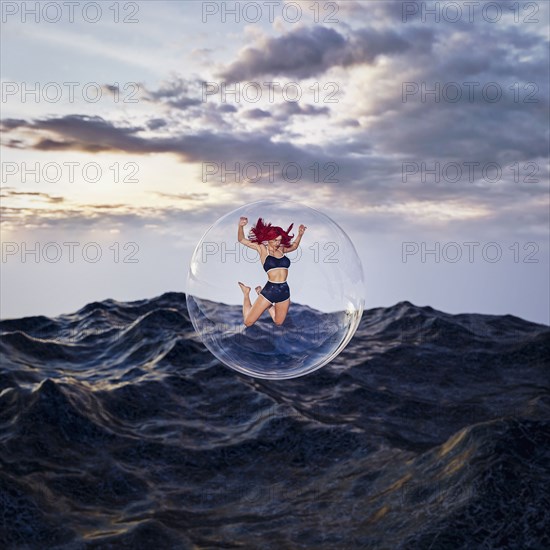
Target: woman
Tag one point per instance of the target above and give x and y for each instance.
(269, 241)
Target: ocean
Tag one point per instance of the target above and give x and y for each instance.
(119, 429)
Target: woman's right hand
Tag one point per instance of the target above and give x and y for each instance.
(243, 221)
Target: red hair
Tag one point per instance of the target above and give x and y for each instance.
(266, 232)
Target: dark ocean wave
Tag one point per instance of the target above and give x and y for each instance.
(118, 429)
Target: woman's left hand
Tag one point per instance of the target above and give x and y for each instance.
(302, 229)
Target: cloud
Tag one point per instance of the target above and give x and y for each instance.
(330, 171)
(182, 196)
(43, 197)
(226, 108)
(470, 67)
(82, 217)
(80, 132)
(95, 135)
(178, 93)
(310, 51)
(156, 123)
(11, 123)
(256, 113)
(288, 109)
(368, 134)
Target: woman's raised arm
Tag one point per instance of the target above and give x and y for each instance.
(296, 243)
(242, 239)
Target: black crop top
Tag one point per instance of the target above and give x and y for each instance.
(271, 262)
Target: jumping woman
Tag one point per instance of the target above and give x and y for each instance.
(270, 242)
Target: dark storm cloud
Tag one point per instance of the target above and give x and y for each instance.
(184, 103)
(284, 111)
(351, 122)
(472, 127)
(11, 123)
(53, 145)
(226, 108)
(80, 132)
(156, 123)
(94, 134)
(290, 108)
(256, 113)
(15, 144)
(310, 51)
(179, 93)
(382, 131)
(467, 135)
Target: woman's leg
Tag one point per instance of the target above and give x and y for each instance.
(281, 309)
(259, 306)
(247, 304)
(251, 313)
(271, 309)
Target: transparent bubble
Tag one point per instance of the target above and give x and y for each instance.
(326, 293)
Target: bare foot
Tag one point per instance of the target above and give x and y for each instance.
(244, 288)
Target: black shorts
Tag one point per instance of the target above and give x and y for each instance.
(276, 292)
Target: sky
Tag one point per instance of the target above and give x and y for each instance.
(420, 128)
